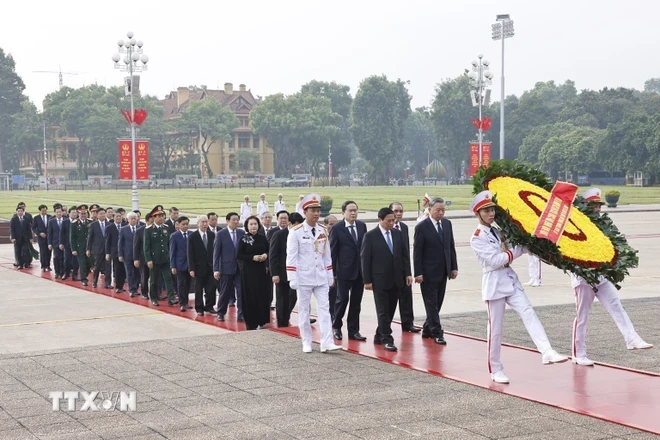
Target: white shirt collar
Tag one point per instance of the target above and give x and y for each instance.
(383, 231)
(348, 224)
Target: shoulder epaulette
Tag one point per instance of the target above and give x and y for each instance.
(148, 226)
(477, 232)
(296, 227)
(325, 228)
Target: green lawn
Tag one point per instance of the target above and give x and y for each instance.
(201, 201)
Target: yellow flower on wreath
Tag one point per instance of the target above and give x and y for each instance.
(582, 242)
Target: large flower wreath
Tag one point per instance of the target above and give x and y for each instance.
(590, 246)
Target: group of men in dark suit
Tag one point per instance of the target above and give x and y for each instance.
(379, 260)
(147, 255)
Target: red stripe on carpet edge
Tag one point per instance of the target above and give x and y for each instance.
(371, 351)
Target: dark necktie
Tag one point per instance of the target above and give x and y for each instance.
(133, 230)
(185, 235)
(103, 228)
(59, 224)
(397, 227)
(353, 233)
(440, 231)
(204, 239)
(313, 232)
(233, 237)
(492, 230)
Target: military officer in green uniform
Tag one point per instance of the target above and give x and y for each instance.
(157, 256)
(78, 232)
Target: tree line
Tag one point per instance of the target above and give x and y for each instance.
(374, 132)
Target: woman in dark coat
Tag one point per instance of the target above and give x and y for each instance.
(252, 255)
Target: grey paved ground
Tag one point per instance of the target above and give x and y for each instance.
(604, 341)
(259, 385)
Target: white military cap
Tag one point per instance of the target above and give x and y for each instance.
(482, 200)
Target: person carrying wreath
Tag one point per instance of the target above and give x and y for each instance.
(500, 286)
(606, 294)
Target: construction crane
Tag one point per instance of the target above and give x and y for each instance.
(60, 73)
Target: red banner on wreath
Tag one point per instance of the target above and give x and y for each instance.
(555, 215)
(474, 156)
(126, 159)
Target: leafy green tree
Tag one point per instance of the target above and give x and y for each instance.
(11, 98)
(537, 138)
(212, 122)
(26, 136)
(298, 127)
(379, 113)
(418, 139)
(452, 113)
(571, 152)
(341, 99)
(632, 145)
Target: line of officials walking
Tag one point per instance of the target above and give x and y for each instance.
(162, 254)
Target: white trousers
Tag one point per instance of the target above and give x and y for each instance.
(520, 303)
(322, 311)
(584, 297)
(534, 268)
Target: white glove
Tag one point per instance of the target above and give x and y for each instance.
(293, 284)
(331, 281)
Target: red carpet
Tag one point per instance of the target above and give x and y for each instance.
(610, 393)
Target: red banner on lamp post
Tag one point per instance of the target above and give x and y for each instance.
(126, 159)
(555, 215)
(474, 156)
(142, 159)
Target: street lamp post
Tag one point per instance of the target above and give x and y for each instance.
(480, 78)
(502, 30)
(132, 50)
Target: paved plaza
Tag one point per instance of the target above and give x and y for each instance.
(197, 381)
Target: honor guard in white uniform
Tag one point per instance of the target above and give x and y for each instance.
(246, 210)
(299, 205)
(425, 203)
(262, 205)
(279, 204)
(500, 286)
(309, 270)
(606, 294)
(534, 266)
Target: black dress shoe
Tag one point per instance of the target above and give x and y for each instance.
(200, 313)
(134, 294)
(145, 296)
(84, 282)
(182, 309)
(119, 290)
(162, 298)
(390, 347)
(75, 279)
(378, 340)
(357, 337)
(107, 286)
(209, 309)
(336, 333)
(64, 277)
(411, 329)
(240, 319)
(440, 340)
(272, 307)
(221, 318)
(312, 320)
(427, 336)
(94, 285)
(232, 304)
(172, 303)
(154, 303)
(186, 306)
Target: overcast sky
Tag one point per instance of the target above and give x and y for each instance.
(276, 46)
